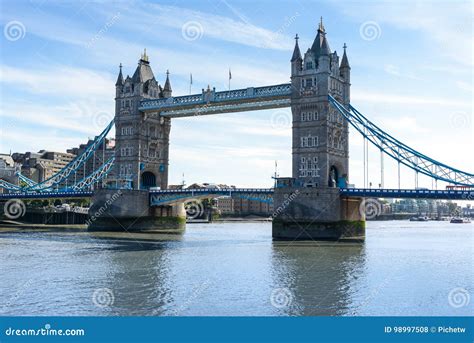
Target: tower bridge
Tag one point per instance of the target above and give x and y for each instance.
(315, 202)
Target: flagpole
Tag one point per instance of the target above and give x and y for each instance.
(190, 82)
(230, 77)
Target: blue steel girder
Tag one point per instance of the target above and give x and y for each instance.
(210, 101)
(408, 193)
(46, 195)
(400, 151)
(169, 196)
(71, 167)
(9, 186)
(96, 176)
(25, 179)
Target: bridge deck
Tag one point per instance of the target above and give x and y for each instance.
(211, 102)
(262, 193)
(408, 193)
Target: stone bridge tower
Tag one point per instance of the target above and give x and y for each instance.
(142, 142)
(320, 134)
(141, 160)
(308, 205)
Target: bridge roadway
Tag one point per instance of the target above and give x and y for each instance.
(158, 197)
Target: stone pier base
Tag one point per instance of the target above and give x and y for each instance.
(317, 214)
(129, 210)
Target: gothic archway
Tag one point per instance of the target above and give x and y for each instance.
(333, 177)
(148, 180)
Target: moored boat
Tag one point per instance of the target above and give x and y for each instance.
(458, 220)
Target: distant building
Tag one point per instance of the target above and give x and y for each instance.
(225, 205)
(242, 207)
(99, 157)
(42, 165)
(8, 169)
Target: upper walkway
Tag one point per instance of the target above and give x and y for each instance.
(211, 102)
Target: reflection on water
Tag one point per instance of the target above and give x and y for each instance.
(235, 269)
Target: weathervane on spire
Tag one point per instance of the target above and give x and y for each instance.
(321, 26)
(297, 37)
(144, 56)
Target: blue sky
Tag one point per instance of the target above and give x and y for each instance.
(413, 77)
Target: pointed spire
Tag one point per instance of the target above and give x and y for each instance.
(167, 82)
(321, 26)
(120, 77)
(319, 41)
(345, 61)
(144, 57)
(296, 53)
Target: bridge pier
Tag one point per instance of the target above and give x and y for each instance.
(317, 214)
(130, 211)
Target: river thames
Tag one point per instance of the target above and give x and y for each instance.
(228, 269)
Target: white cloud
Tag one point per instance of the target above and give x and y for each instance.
(385, 97)
(448, 24)
(59, 81)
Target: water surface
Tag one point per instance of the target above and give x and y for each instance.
(403, 268)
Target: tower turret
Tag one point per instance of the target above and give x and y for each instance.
(167, 89)
(119, 83)
(296, 59)
(320, 151)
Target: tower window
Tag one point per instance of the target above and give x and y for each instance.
(309, 83)
(309, 141)
(309, 65)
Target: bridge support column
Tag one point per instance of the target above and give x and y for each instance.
(130, 211)
(317, 214)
